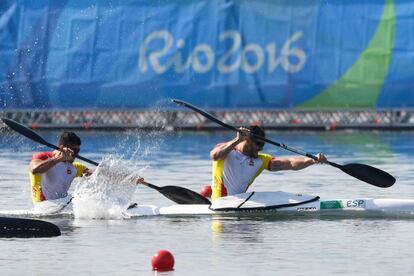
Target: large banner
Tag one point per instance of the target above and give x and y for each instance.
(120, 54)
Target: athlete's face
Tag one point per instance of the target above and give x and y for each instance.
(252, 148)
(73, 150)
(259, 145)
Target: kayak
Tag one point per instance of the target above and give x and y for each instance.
(250, 203)
(271, 202)
(50, 208)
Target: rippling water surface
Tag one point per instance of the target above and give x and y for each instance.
(203, 245)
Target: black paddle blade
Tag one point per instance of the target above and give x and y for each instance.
(182, 195)
(368, 174)
(179, 195)
(27, 228)
(26, 132)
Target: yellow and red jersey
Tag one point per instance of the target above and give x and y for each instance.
(235, 173)
(54, 183)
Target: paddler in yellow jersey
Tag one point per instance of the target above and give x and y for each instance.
(238, 162)
(52, 173)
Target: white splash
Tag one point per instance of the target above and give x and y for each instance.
(107, 193)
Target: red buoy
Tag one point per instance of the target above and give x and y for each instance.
(163, 260)
(206, 191)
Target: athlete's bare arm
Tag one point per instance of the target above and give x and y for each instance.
(220, 152)
(41, 166)
(280, 164)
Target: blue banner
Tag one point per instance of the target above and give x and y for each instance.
(219, 54)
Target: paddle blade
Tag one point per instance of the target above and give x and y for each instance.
(27, 228)
(368, 174)
(179, 195)
(26, 132)
(182, 195)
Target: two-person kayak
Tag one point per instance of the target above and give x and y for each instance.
(247, 203)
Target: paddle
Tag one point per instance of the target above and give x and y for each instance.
(27, 132)
(27, 228)
(180, 195)
(366, 173)
(177, 194)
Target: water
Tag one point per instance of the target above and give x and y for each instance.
(204, 245)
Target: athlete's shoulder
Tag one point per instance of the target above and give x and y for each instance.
(265, 155)
(266, 158)
(42, 155)
(80, 168)
(79, 165)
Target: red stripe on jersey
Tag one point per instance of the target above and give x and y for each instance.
(223, 190)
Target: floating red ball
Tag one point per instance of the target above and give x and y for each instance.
(206, 191)
(163, 260)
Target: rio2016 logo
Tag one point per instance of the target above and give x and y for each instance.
(203, 59)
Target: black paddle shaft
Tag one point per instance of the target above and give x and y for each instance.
(214, 119)
(366, 173)
(177, 194)
(27, 132)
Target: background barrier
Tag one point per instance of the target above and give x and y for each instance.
(221, 55)
(169, 120)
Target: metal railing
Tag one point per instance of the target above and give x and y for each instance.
(277, 119)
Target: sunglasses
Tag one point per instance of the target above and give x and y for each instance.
(75, 150)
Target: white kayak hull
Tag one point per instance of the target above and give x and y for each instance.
(49, 208)
(271, 202)
(247, 203)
